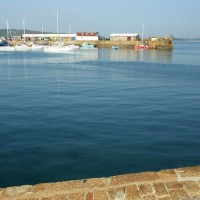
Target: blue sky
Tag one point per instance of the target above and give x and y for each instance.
(160, 17)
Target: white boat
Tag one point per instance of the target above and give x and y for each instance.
(4, 45)
(35, 47)
(74, 46)
(87, 46)
(115, 47)
(58, 49)
(22, 47)
(7, 48)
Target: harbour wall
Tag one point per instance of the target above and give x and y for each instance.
(157, 44)
(161, 43)
(171, 184)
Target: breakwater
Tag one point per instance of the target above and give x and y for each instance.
(161, 43)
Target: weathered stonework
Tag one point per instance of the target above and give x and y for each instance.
(176, 184)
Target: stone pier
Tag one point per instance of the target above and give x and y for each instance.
(173, 184)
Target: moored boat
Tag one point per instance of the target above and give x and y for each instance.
(143, 46)
(37, 47)
(7, 48)
(4, 46)
(73, 47)
(58, 49)
(22, 47)
(87, 46)
(115, 47)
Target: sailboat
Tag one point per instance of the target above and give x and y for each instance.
(35, 46)
(143, 45)
(4, 45)
(58, 48)
(23, 46)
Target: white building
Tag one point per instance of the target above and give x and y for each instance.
(50, 36)
(87, 36)
(124, 36)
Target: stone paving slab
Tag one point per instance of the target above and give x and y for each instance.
(174, 184)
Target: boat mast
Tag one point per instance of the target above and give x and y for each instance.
(24, 30)
(70, 29)
(58, 29)
(142, 32)
(9, 34)
(7, 29)
(57, 23)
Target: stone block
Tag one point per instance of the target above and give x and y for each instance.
(89, 196)
(191, 187)
(71, 185)
(95, 182)
(160, 189)
(189, 172)
(133, 178)
(45, 187)
(149, 197)
(60, 197)
(179, 194)
(173, 185)
(16, 191)
(132, 192)
(46, 198)
(75, 196)
(57, 186)
(195, 197)
(167, 175)
(165, 198)
(116, 194)
(145, 189)
(100, 195)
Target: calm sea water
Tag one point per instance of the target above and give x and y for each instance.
(98, 113)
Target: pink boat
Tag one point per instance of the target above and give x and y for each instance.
(143, 46)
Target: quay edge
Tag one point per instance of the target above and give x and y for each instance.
(171, 184)
(163, 43)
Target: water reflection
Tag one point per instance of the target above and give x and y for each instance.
(181, 54)
(161, 56)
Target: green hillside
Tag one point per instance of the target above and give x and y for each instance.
(17, 32)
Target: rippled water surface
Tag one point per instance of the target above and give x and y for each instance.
(98, 113)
